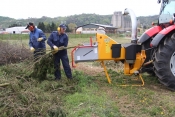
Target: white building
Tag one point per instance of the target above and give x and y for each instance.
(93, 28)
(17, 30)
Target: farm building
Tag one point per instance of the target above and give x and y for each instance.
(17, 30)
(92, 28)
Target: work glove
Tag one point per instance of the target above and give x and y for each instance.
(40, 39)
(55, 49)
(32, 49)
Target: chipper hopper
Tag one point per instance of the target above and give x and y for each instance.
(105, 48)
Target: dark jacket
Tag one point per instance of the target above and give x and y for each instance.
(58, 40)
(33, 37)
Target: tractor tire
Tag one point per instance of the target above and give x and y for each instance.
(164, 62)
(149, 55)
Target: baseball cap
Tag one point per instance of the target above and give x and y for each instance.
(29, 24)
(63, 26)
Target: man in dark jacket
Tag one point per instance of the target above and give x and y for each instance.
(58, 39)
(36, 40)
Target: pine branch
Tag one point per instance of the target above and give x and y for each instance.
(5, 84)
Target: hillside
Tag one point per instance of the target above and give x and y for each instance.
(5, 21)
(76, 19)
(147, 20)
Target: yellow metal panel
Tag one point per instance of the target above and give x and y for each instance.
(104, 48)
(126, 68)
(140, 58)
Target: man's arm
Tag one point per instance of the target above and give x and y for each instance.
(66, 41)
(30, 42)
(49, 41)
(42, 35)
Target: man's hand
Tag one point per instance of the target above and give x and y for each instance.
(32, 49)
(40, 39)
(55, 49)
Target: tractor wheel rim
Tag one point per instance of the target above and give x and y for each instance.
(172, 63)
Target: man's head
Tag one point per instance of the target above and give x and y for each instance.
(30, 26)
(62, 28)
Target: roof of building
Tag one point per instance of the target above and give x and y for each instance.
(25, 31)
(101, 25)
(17, 27)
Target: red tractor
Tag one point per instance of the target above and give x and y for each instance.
(159, 45)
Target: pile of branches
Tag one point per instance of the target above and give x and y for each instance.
(13, 53)
(30, 67)
(43, 66)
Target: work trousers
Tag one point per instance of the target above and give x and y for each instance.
(65, 61)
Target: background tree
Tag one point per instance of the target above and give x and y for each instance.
(14, 25)
(41, 26)
(67, 29)
(48, 29)
(144, 26)
(53, 26)
(72, 26)
(75, 19)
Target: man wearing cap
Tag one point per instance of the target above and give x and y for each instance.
(36, 40)
(55, 40)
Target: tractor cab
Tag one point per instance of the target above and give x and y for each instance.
(167, 12)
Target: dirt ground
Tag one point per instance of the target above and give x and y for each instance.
(89, 69)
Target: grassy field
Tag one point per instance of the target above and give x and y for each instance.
(26, 36)
(88, 95)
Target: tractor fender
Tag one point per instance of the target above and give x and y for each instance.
(149, 33)
(161, 35)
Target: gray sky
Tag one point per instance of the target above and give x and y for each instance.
(54, 8)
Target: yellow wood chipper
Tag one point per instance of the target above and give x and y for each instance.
(105, 48)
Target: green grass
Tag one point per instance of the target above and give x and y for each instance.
(26, 36)
(87, 101)
(86, 96)
(85, 104)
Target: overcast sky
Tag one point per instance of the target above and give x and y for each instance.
(54, 8)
